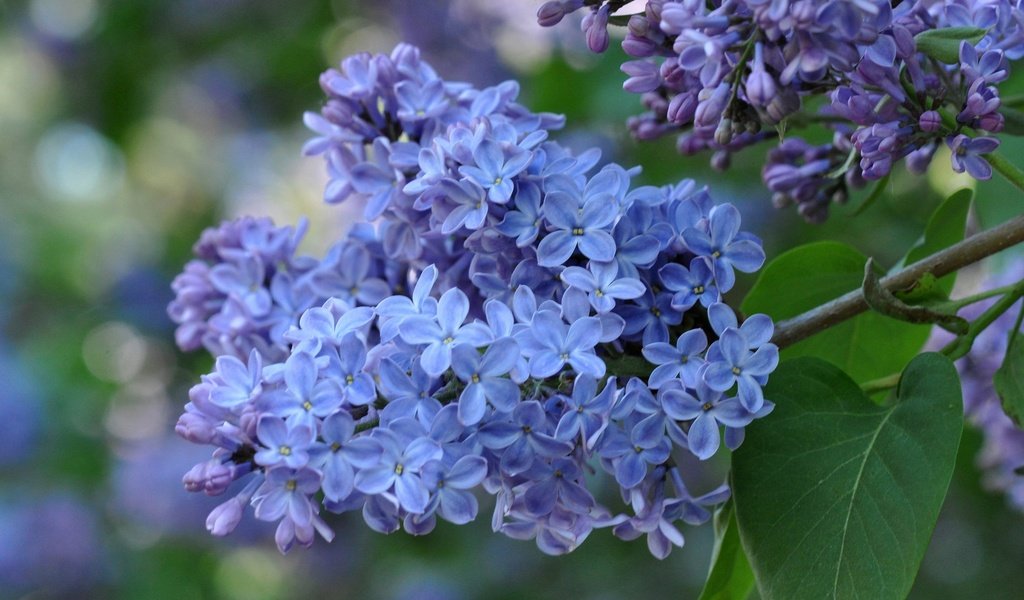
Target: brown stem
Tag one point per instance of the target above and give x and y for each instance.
(970, 250)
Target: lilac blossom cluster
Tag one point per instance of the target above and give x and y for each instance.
(512, 320)
(1002, 453)
(723, 75)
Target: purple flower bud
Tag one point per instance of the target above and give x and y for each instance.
(223, 519)
(550, 13)
(595, 25)
(682, 107)
(712, 104)
(992, 122)
(644, 76)
(638, 46)
(195, 428)
(211, 477)
(760, 86)
(783, 104)
(720, 160)
(930, 121)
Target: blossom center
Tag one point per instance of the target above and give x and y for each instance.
(577, 231)
(285, 450)
(399, 468)
(736, 370)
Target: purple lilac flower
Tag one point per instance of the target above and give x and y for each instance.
(432, 352)
(721, 75)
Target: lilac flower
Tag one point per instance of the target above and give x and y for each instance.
(559, 344)
(393, 309)
(474, 202)
(757, 329)
(690, 285)
(740, 366)
(653, 315)
(471, 205)
(574, 228)
(286, 493)
(494, 171)
(450, 485)
(522, 439)
(484, 379)
(586, 412)
(399, 469)
(682, 361)
(633, 453)
(721, 245)
(603, 285)
(524, 222)
(238, 383)
(967, 154)
(707, 411)
(557, 483)
(303, 396)
(447, 330)
(347, 368)
(409, 395)
(341, 453)
(323, 325)
(283, 443)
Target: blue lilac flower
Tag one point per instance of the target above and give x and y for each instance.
(740, 366)
(399, 468)
(576, 227)
(450, 485)
(603, 285)
(586, 411)
(340, 454)
(283, 443)
(460, 340)
(484, 379)
(681, 361)
(440, 334)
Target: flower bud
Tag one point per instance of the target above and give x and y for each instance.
(929, 121)
(223, 519)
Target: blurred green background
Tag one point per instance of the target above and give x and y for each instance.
(128, 127)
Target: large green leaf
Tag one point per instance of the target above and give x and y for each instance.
(730, 577)
(836, 497)
(1009, 380)
(867, 346)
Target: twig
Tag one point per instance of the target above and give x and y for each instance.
(967, 252)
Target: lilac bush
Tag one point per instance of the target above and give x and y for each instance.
(898, 79)
(485, 329)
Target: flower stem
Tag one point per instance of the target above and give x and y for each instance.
(1010, 171)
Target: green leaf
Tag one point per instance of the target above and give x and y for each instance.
(730, 577)
(1009, 380)
(868, 346)
(945, 227)
(944, 44)
(836, 497)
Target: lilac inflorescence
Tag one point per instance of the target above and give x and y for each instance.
(1002, 453)
(720, 74)
(513, 320)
